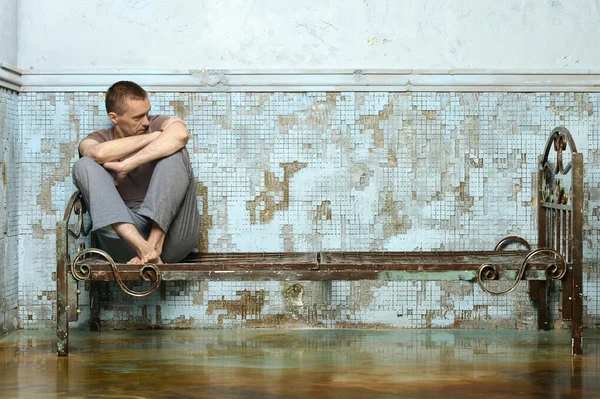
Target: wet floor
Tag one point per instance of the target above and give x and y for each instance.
(310, 363)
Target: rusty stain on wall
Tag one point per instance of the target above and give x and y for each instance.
(362, 293)
(465, 200)
(179, 108)
(373, 122)
(247, 304)
(183, 323)
(323, 211)
(392, 159)
(284, 321)
(293, 295)
(74, 122)
(287, 234)
(320, 112)
(265, 201)
(430, 115)
(364, 174)
(38, 231)
(584, 104)
(468, 99)
(515, 192)
(391, 214)
(223, 120)
(52, 174)
(293, 300)
(287, 121)
(199, 294)
(206, 220)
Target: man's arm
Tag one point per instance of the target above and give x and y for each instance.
(174, 137)
(115, 149)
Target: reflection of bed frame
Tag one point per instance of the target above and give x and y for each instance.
(558, 256)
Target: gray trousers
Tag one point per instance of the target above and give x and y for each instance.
(170, 202)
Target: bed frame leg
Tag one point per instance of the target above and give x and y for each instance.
(95, 306)
(538, 293)
(577, 320)
(62, 298)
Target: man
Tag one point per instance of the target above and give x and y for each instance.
(137, 181)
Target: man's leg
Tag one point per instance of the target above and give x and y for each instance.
(100, 194)
(108, 209)
(115, 239)
(171, 204)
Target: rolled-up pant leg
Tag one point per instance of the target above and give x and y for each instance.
(171, 203)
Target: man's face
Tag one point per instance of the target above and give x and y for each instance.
(134, 120)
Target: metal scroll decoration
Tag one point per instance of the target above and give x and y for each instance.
(77, 206)
(512, 240)
(556, 270)
(82, 271)
(559, 141)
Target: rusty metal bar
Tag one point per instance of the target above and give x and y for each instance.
(557, 240)
(81, 271)
(564, 233)
(555, 270)
(577, 234)
(62, 321)
(550, 231)
(535, 289)
(542, 211)
(569, 236)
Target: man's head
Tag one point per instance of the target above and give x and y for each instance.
(127, 105)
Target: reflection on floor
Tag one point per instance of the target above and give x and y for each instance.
(300, 364)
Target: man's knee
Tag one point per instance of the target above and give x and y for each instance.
(178, 156)
(82, 166)
(177, 162)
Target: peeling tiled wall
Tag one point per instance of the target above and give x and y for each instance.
(8, 264)
(323, 171)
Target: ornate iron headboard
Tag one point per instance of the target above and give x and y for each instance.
(560, 220)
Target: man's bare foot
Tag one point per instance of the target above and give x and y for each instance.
(149, 257)
(156, 238)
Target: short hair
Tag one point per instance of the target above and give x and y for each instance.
(120, 92)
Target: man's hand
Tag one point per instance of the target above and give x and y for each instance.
(119, 170)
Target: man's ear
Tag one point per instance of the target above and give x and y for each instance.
(113, 117)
